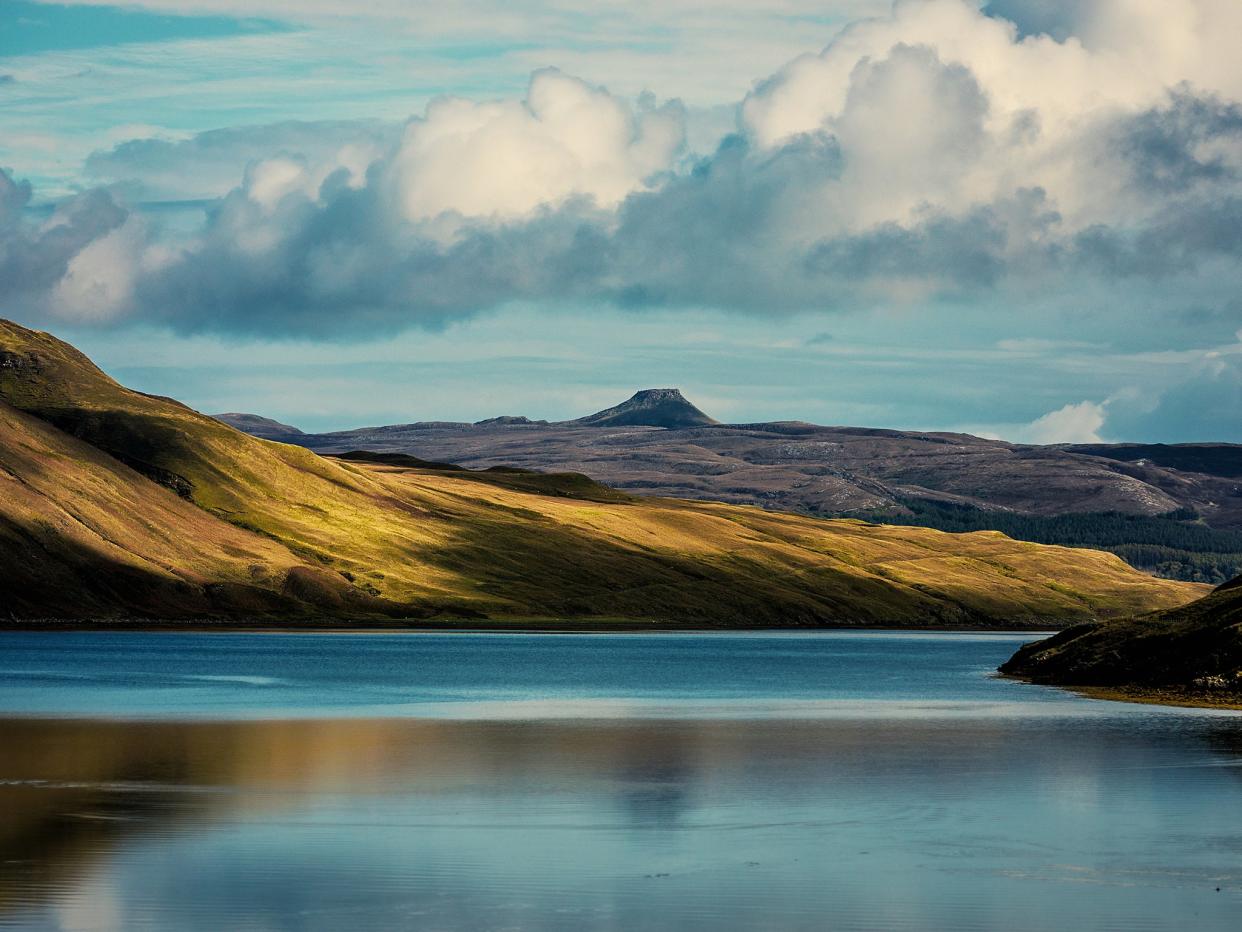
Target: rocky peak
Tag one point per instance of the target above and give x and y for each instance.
(651, 407)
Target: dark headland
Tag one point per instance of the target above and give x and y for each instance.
(1191, 654)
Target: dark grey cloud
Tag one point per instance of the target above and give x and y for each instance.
(1177, 147)
(717, 235)
(1176, 242)
(963, 253)
(713, 238)
(14, 196)
(338, 272)
(710, 237)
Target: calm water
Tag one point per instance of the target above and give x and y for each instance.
(751, 781)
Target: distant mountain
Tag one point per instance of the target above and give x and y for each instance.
(651, 407)
(1174, 510)
(1193, 652)
(796, 466)
(118, 504)
(258, 426)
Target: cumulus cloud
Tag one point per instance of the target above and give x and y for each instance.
(1074, 423)
(99, 280)
(505, 159)
(938, 153)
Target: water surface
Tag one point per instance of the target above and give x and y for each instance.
(842, 780)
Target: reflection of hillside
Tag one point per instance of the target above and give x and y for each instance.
(72, 790)
(74, 793)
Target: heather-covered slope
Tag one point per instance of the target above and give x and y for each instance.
(131, 504)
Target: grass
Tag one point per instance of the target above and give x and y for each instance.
(131, 505)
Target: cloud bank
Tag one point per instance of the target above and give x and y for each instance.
(940, 153)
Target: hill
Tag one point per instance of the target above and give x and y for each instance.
(257, 426)
(125, 504)
(1191, 653)
(1172, 510)
(651, 407)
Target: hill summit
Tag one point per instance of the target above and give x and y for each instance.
(651, 407)
(263, 427)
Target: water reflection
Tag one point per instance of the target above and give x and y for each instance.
(1122, 821)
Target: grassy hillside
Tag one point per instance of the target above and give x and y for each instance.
(133, 504)
(81, 534)
(1190, 653)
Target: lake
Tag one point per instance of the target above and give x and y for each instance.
(834, 780)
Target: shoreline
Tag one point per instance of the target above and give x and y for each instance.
(1142, 695)
(1139, 695)
(484, 626)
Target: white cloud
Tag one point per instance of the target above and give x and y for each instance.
(957, 109)
(503, 159)
(98, 282)
(933, 154)
(385, 60)
(1074, 423)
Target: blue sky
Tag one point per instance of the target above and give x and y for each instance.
(1020, 220)
(30, 28)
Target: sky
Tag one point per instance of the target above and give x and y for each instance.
(1015, 218)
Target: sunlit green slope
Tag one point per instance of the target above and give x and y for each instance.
(123, 503)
